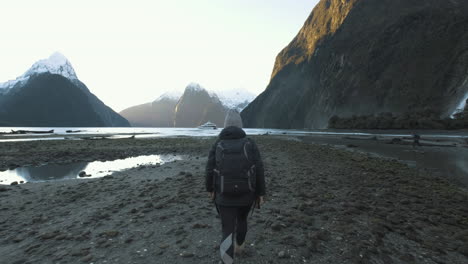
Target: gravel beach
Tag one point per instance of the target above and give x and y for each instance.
(323, 205)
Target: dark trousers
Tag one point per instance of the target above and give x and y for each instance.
(234, 225)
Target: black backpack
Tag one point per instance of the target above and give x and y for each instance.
(235, 170)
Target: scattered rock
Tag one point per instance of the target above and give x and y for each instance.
(163, 246)
(83, 174)
(323, 235)
(17, 239)
(48, 235)
(61, 237)
(200, 226)
(276, 227)
(187, 254)
(101, 241)
(14, 183)
(282, 254)
(110, 233)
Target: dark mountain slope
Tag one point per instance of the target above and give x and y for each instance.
(53, 100)
(159, 113)
(105, 113)
(360, 57)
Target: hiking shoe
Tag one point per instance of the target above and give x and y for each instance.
(238, 249)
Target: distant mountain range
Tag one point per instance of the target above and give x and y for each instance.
(366, 57)
(50, 94)
(194, 107)
(159, 113)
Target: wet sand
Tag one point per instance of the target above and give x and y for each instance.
(324, 205)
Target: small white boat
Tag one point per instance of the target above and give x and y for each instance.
(208, 125)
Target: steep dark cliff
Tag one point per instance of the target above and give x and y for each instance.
(360, 57)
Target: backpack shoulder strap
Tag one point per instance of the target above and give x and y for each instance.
(219, 145)
(249, 149)
(219, 151)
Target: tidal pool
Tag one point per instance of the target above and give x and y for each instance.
(95, 169)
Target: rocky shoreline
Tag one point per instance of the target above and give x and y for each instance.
(413, 120)
(324, 205)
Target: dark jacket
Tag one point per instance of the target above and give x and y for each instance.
(233, 132)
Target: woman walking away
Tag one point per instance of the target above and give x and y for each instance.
(235, 181)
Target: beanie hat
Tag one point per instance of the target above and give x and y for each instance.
(233, 118)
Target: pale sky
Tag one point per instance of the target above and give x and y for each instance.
(130, 52)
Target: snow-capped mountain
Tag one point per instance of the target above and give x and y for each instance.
(236, 98)
(50, 94)
(193, 86)
(231, 99)
(195, 106)
(172, 95)
(55, 64)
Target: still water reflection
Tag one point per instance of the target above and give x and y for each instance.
(71, 171)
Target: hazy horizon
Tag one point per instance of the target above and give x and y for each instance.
(131, 53)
